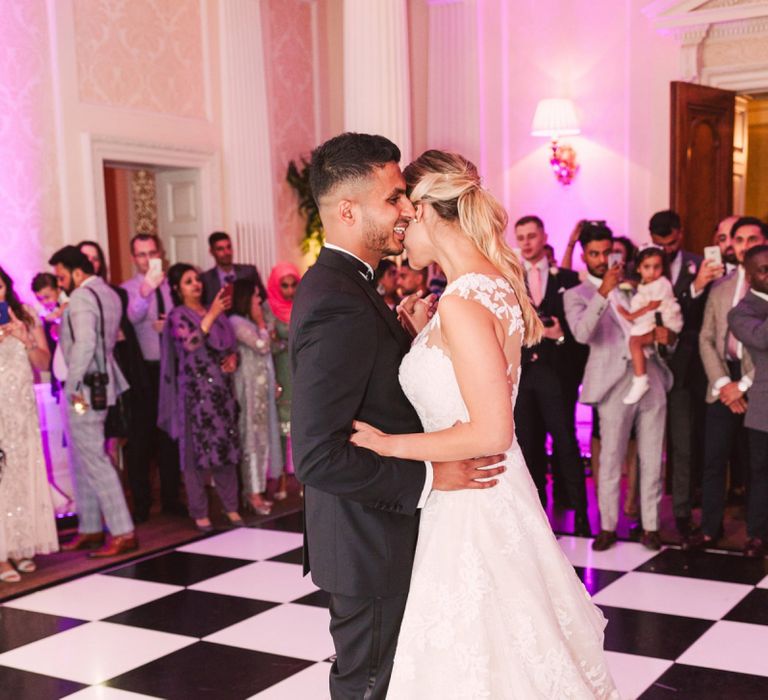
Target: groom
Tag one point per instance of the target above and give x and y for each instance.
(346, 345)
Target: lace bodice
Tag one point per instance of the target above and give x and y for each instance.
(426, 372)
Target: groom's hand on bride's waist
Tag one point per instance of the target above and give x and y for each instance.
(455, 476)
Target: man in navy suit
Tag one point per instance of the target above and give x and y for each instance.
(686, 401)
(225, 271)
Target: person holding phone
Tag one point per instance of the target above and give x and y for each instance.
(149, 303)
(225, 272)
(27, 524)
(197, 397)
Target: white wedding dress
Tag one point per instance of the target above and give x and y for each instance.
(495, 609)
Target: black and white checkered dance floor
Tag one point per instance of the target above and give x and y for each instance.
(230, 617)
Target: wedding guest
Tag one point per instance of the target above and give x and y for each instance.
(130, 420)
(281, 289)
(225, 271)
(412, 281)
(628, 251)
(89, 331)
(385, 279)
(730, 373)
(549, 380)
(653, 299)
(690, 277)
(149, 301)
(27, 524)
(748, 322)
(255, 388)
(197, 401)
(722, 239)
(46, 291)
(550, 253)
(591, 310)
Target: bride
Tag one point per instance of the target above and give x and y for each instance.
(495, 610)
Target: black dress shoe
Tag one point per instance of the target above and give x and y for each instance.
(651, 540)
(755, 548)
(581, 526)
(605, 540)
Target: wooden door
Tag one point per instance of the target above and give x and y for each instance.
(701, 178)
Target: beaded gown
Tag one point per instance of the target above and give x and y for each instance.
(27, 524)
(495, 609)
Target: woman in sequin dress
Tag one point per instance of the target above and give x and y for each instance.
(197, 401)
(281, 289)
(27, 524)
(255, 388)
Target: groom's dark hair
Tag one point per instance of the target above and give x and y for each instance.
(347, 157)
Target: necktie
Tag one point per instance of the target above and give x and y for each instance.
(229, 278)
(534, 284)
(734, 348)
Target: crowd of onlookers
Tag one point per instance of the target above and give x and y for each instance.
(669, 348)
(188, 372)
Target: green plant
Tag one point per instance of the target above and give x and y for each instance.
(314, 236)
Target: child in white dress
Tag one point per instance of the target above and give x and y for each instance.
(654, 294)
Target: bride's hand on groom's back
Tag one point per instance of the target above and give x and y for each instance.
(464, 474)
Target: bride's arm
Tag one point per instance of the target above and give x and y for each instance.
(470, 333)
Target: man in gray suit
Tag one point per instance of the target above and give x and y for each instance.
(88, 335)
(590, 309)
(748, 321)
(729, 373)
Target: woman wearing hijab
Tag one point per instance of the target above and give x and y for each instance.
(281, 289)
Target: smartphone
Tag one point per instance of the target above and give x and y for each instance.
(615, 259)
(5, 317)
(713, 255)
(229, 290)
(155, 266)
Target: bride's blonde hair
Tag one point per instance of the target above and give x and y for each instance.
(450, 183)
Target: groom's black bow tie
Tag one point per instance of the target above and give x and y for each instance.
(360, 266)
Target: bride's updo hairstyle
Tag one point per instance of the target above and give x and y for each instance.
(450, 183)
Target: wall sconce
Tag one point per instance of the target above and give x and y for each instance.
(554, 118)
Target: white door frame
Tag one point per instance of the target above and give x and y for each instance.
(100, 151)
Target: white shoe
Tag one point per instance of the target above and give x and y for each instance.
(640, 385)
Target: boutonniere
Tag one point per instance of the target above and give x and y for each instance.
(691, 267)
(626, 287)
(553, 271)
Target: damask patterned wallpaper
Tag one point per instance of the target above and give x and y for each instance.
(29, 192)
(291, 97)
(141, 54)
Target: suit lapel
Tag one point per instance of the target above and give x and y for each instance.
(338, 262)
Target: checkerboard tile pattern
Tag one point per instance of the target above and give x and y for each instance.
(231, 617)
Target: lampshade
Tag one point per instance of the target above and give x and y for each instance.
(555, 117)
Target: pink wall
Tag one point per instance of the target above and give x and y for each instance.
(605, 56)
(288, 46)
(142, 54)
(29, 193)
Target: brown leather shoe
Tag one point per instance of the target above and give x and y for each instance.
(85, 540)
(755, 547)
(121, 544)
(651, 540)
(605, 540)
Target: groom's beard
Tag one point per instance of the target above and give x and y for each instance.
(381, 241)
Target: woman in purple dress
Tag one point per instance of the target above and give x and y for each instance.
(197, 399)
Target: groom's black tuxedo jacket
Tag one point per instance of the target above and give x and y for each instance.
(360, 521)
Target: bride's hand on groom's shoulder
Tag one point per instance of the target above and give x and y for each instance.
(367, 436)
(414, 312)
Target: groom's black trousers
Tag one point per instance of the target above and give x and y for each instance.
(364, 632)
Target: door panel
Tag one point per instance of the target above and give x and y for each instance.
(701, 177)
(178, 215)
